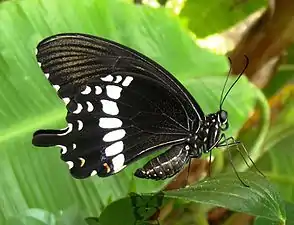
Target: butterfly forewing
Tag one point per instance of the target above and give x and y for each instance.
(73, 58)
(121, 105)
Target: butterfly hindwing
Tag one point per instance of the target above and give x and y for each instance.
(120, 106)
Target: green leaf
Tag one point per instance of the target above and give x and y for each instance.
(278, 162)
(70, 216)
(206, 19)
(33, 217)
(290, 217)
(260, 199)
(92, 221)
(36, 178)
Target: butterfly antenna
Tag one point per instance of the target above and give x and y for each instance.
(226, 81)
(238, 78)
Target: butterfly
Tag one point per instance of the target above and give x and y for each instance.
(122, 106)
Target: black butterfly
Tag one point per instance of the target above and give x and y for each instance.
(122, 106)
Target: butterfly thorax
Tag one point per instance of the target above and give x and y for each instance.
(203, 140)
(208, 134)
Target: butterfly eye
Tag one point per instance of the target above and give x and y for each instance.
(223, 116)
(223, 120)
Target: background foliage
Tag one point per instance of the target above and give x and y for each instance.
(189, 38)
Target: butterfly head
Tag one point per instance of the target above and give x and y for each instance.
(222, 119)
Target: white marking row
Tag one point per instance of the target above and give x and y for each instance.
(118, 79)
(109, 107)
(90, 106)
(114, 149)
(56, 87)
(94, 172)
(113, 91)
(79, 109)
(86, 91)
(98, 90)
(63, 149)
(70, 164)
(109, 122)
(68, 130)
(118, 163)
(114, 135)
(66, 100)
(82, 161)
(127, 81)
(108, 78)
(80, 125)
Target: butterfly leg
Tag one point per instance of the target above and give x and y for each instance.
(230, 157)
(236, 143)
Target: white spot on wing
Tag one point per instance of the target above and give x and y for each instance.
(114, 135)
(114, 149)
(113, 91)
(98, 90)
(110, 122)
(80, 125)
(66, 130)
(90, 106)
(63, 149)
(109, 107)
(107, 78)
(46, 75)
(79, 109)
(39, 63)
(66, 100)
(94, 172)
(118, 79)
(86, 91)
(70, 164)
(56, 87)
(127, 81)
(74, 146)
(83, 161)
(118, 162)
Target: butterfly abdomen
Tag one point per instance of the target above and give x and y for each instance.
(165, 165)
